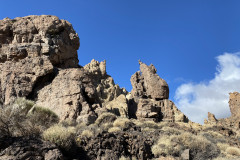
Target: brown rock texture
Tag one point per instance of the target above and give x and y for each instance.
(27, 148)
(79, 93)
(38, 61)
(234, 104)
(30, 48)
(149, 97)
(146, 83)
(233, 121)
(34, 36)
(211, 119)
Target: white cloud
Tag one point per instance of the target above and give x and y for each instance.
(196, 99)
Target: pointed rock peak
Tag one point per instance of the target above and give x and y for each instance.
(147, 83)
(96, 67)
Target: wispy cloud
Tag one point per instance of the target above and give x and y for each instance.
(196, 99)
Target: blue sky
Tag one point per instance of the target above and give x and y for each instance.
(181, 38)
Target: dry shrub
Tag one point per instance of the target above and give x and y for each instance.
(149, 124)
(137, 122)
(87, 133)
(114, 129)
(106, 126)
(233, 151)
(147, 129)
(163, 124)
(122, 123)
(42, 116)
(214, 137)
(105, 117)
(170, 130)
(23, 104)
(223, 147)
(174, 145)
(60, 135)
(17, 120)
(124, 158)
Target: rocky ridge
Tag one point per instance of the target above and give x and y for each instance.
(100, 120)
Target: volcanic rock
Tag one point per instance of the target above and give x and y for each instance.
(146, 83)
(232, 121)
(29, 148)
(30, 48)
(234, 104)
(149, 97)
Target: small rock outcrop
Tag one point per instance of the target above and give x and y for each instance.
(149, 97)
(234, 104)
(232, 121)
(147, 84)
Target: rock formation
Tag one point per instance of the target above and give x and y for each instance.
(38, 61)
(234, 104)
(30, 48)
(149, 97)
(233, 120)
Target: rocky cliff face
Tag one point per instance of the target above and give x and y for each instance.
(30, 49)
(38, 61)
(98, 119)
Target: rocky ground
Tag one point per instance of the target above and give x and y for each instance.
(53, 108)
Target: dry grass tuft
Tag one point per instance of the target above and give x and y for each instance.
(105, 117)
(233, 151)
(87, 133)
(60, 135)
(122, 123)
(174, 145)
(114, 129)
